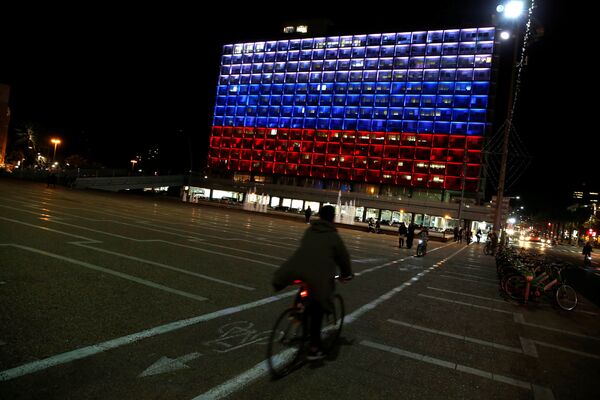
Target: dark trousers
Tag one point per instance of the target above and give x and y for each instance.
(315, 312)
(401, 241)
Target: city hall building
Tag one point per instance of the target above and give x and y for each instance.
(393, 124)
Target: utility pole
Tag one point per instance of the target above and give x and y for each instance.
(507, 129)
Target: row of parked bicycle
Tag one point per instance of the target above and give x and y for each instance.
(526, 275)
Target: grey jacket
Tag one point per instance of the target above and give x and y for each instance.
(314, 262)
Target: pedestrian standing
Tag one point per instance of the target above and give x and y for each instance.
(410, 235)
(402, 231)
(307, 214)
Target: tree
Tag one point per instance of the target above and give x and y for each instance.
(76, 161)
(26, 139)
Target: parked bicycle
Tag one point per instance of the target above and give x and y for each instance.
(536, 282)
(488, 249)
(291, 330)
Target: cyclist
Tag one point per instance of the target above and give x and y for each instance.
(587, 252)
(314, 263)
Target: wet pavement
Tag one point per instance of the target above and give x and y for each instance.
(105, 296)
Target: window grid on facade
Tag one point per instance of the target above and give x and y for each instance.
(430, 85)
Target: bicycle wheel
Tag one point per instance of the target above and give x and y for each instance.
(333, 323)
(566, 297)
(514, 286)
(285, 342)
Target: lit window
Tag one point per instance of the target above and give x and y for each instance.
(288, 29)
(302, 29)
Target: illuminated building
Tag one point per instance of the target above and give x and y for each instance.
(406, 112)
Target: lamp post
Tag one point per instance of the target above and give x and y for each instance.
(55, 142)
(512, 10)
(133, 162)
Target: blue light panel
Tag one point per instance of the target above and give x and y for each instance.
(418, 82)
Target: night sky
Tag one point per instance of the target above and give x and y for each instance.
(113, 81)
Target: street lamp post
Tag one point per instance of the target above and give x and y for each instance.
(55, 142)
(512, 10)
(133, 162)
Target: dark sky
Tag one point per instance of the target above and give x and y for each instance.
(113, 80)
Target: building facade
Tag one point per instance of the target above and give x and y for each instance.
(393, 113)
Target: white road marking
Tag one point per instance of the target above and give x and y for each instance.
(141, 241)
(528, 347)
(469, 295)
(495, 281)
(462, 368)
(260, 370)
(566, 349)
(462, 303)
(85, 352)
(470, 280)
(459, 337)
(392, 262)
(520, 319)
(107, 271)
(166, 364)
(165, 266)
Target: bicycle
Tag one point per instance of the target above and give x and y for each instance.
(488, 249)
(422, 248)
(291, 330)
(520, 287)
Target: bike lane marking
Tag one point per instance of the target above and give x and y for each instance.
(84, 352)
(395, 262)
(261, 369)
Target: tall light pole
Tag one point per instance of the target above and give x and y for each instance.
(512, 10)
(56, 142)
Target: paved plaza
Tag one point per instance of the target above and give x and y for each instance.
(114, 296)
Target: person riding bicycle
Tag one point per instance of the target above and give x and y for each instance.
(424, 234)
(314, 263)
(587, 252)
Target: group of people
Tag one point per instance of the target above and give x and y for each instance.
(406, 234)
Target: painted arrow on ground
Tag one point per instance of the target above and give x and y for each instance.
(166, 364)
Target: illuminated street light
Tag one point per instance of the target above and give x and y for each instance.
(55, 142)
(133, 162)
(511, 10)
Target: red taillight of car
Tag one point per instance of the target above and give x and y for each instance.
(297, 281)
(303, 293)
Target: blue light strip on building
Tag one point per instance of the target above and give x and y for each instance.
(417, 82)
